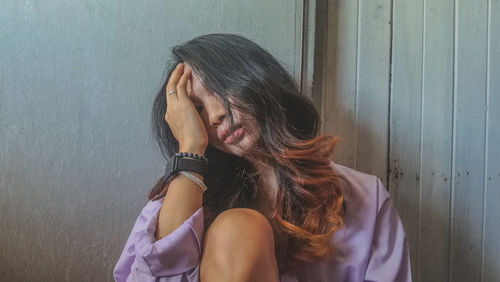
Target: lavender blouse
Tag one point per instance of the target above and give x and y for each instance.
(372, 246)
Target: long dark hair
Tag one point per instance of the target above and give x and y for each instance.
(246, 77)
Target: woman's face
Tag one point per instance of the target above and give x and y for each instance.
(216, 121)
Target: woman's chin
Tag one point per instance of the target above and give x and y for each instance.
(237, 149)
(233, 150)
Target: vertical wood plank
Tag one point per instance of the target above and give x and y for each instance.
(320, 56)
(308, 21)
(372, 87)
(299, 37)
(469, 147)
(339, 104)
(491, 242)
(405, 119)
(436, 148)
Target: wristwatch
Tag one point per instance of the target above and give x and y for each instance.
(183, 161)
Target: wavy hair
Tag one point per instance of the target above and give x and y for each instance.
(309, 204)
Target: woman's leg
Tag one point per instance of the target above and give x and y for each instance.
(239, 246)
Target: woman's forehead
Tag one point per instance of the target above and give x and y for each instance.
(197, 88)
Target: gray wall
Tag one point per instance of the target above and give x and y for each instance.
(413, 88)
(77, 81)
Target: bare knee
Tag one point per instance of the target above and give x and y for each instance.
(238, 238)
(240, 225)
(246, 218)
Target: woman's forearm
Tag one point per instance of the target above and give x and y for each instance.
(184, 197)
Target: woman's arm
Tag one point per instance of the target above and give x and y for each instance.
(183, 199)
(165, 243)
(183, 196)
(390, 258)
(175, 257)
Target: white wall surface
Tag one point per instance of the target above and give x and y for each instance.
(77, 82)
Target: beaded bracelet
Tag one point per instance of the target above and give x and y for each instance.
(192, 155)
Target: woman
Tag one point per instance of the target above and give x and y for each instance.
(250, 192)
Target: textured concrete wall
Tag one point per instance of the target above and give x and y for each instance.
(77, 80)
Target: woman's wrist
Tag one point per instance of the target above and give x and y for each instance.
(191, 149)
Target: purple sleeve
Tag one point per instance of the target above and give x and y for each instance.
(389, 256)
(172, 258)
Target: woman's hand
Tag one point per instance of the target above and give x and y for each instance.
(181, 115)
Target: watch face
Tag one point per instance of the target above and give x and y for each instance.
(171, 167)
(179, 163)
(174, 164)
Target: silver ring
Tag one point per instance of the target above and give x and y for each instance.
(171, 92)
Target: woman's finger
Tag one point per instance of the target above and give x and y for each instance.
(172, 82)
(182, 85)
(171, 94)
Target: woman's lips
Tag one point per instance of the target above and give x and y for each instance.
(235, 137)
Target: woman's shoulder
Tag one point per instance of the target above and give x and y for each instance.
(370, 246)
(362, 189)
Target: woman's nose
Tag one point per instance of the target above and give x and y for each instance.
(216, 114)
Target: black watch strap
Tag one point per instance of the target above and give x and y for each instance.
(183, 162)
